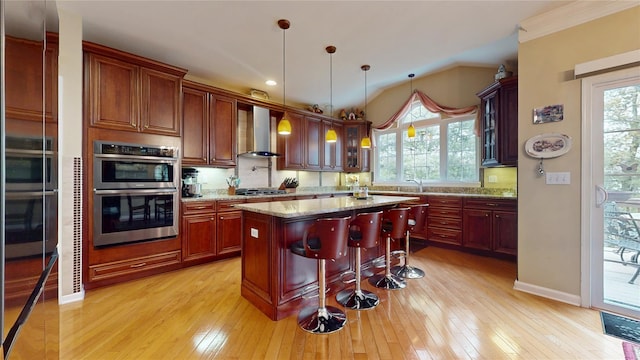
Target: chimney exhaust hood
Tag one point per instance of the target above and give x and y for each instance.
(254, 133)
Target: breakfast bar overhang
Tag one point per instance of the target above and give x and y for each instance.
(273, 278)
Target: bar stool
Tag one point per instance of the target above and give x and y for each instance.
(364, 233)
(394, 226)
(416, 222)
(326, 239)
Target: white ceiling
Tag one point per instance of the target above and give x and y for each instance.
(238, 45)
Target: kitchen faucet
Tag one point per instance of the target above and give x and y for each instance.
(419, 183)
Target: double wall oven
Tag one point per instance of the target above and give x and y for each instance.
(31, 196)
(135, 193)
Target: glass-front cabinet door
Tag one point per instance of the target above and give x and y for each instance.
(356, 159)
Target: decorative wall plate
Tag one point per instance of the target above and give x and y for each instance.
(547, 146)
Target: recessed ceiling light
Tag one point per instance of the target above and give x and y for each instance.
(271, 82)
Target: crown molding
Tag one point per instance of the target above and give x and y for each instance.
(570, 15)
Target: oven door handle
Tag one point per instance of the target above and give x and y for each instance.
(129, 158)
(29, 194)
(136, 191)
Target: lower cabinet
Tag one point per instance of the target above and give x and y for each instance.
(444, 219)
(228, 228)
(491, 225)
(210, 230)
(198, 231)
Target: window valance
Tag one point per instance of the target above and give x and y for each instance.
(432, 106)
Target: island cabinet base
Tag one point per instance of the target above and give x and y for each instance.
(277, 281)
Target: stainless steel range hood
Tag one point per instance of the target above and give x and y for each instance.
(254, 133)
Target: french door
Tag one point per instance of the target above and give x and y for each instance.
(611, 191)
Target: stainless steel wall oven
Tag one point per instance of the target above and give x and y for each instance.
(135, 193)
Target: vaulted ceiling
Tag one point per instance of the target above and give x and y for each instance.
(238, 45)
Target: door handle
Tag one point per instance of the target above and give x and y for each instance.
(605, 195)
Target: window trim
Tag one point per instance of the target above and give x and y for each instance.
(400, 129)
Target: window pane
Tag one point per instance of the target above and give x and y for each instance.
(461, 154)
(417, 112)
(387, 161)
(421, 154)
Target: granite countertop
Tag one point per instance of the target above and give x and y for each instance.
(219, 196)
(296, 208)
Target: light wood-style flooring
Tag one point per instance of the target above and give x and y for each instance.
(465, 308)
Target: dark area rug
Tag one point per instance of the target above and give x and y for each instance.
(621, 327)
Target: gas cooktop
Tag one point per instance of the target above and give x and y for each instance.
(254, 192)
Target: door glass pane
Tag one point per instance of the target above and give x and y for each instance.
(621, 161)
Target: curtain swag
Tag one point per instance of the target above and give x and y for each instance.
(433, 107)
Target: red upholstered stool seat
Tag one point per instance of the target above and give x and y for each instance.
(394, 226)
(416, 222)
(326, 239)
(364, 233)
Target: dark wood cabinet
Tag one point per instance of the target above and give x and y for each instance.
(229, 228)
(491, 225)
(209, 127)
(444, 219)
(356, 159)
(195, 134)
(499, 123)
(198, 231)
(333, 158)
(314, 139)
(126, 92)
(24, 79)
(292, 147)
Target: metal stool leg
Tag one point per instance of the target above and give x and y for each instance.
(357, 299)
(388, 280)
(322, 319)
(407, 271)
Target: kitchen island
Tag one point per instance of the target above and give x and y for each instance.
(273, 278)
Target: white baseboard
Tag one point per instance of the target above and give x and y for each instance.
(66, 299)
(547, 293)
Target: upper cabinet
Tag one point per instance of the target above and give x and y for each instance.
(209, 127)
(333, 157)
(499, 123)
(292, 147)
(127, 92)
(24, 79)
(356, 158)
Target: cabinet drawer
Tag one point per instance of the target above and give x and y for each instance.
(491, 204)
(444, 212)
(120, 268)
(444, 222)
(199, 207)
(444, 235)
(444, 201)
(227, 205)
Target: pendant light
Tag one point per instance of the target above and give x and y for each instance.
(284, 126)
(365, 143)
(411, 131)
(331, 135)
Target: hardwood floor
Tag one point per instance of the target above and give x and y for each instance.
(465, 308)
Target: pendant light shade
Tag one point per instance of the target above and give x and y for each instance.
(331, 135)
(411, 131)
(365, 143)
(284, 126)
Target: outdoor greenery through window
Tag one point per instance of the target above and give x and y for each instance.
(443, 150)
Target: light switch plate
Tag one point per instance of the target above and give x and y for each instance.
(254, 233)
(558, 178)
